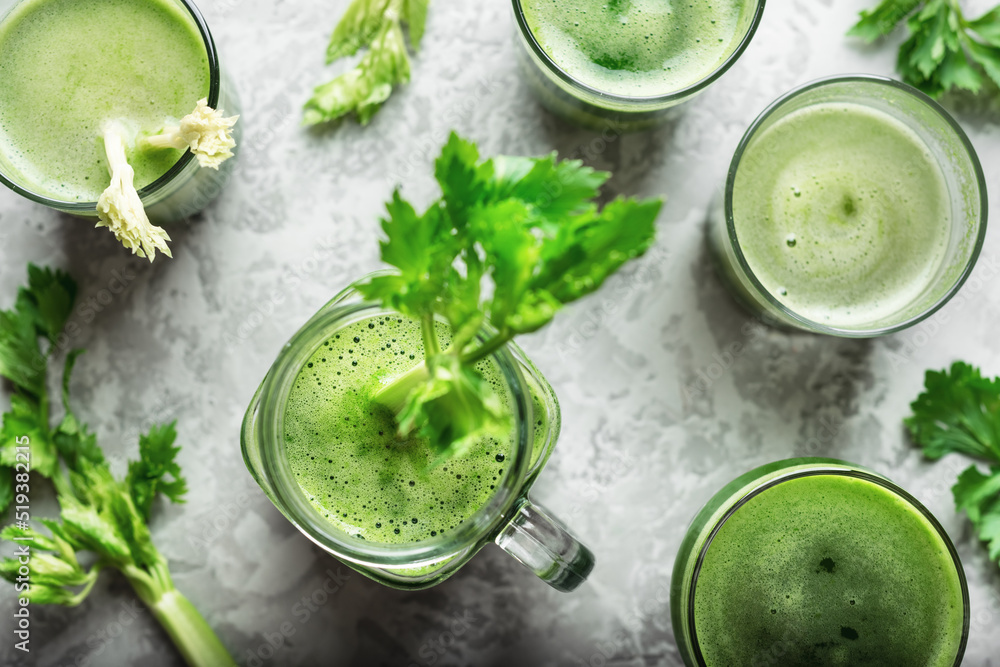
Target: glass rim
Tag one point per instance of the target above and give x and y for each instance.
(639, 101)
(290, 496)
(817, 469)
(970, 151)
(214, 91)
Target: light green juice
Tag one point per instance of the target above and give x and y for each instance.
(842, 213)
(828, 570)
(636, 48)
(68, 66)
(347, 458)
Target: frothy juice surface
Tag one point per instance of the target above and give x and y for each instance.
(68, 66)
(842, 213)
(346, 456)
(828, 570)
(636, 48)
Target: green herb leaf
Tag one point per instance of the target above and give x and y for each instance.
(930, 29)
(355, 30)
(50, 570)
(157, 460)
(38, 540)
(411, 239)
(510, 242)
(415, 15)
(591, 247)
(98, 512)
(377, 25)
(42, 309)
(514, 252)
(883, 20)
(987, 57)
(987, 26)
(979, 496)
(552, 188)
(464, 180)
(958, 73)
(49, 297)
(944, 51)
(26, 418)
(54, 574)
(957, 412)
(96, 531)
(133, 528)
(21, 360)
(416, 246)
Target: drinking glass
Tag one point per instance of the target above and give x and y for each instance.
(186, 188)
(515, 523)
(566, 96)
(728, 502)
(946, 142)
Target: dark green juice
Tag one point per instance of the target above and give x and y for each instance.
(828, 569)
(347, 458)
(637, 48)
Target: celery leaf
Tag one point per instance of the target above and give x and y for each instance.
(99, 514)
(378, 26)
(979, 496)
(944, 50)
(157, 461)
(41, 309)
(959, 411)
(882, 20)
(509, 242)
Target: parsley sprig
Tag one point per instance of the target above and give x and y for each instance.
(378, 26)
(945, 50)
(507, 245)
(101, 516)
(959, 411)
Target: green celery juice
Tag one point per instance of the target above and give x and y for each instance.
(842, 213)
(636, 48)
(68, 66)
(825, 570)
(347, 458)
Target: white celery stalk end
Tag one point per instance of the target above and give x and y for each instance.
(120, 209)
(205, 131)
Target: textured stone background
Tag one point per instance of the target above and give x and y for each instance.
(191, 338)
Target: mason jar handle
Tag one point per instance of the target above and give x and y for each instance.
(546, 547)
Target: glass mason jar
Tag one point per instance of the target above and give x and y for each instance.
(508, 518)
(186, 188)
(946, 143)
(728, 503)
(566, 96)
